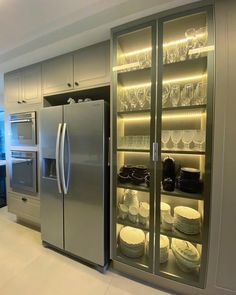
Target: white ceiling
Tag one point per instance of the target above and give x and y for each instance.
(34, 30)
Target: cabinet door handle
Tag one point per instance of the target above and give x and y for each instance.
(155, 152)
(76, 84)
(68, 84)
(24, 199)
(23, 101)
(18, 102)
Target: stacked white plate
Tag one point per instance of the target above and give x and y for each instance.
(165, 209)
(187, 220)
(186, 255)
(147, 244)
(132, 242)
(164, 248)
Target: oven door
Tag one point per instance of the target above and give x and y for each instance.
(23, 171)
(23, 129)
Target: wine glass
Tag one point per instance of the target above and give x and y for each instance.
(199, 139)
(187, 94)
(148, 97)
(201, 34)
(172, 55)
(165, 137)
(141, 97)
(124, 102)
(191, 37)
(175, 94)
(133, 99)
(187, 138)
(165, 94)
(200, 94)
(183, 51)
(176, 136)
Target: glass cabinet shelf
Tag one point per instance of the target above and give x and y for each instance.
(183, 152)
(201, 107)
(133, 150)
(174, 233)
(180, 194)
(141, 187)
(187, 62)
(126, 222)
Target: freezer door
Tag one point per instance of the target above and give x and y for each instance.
(51, 197)
(84, 203)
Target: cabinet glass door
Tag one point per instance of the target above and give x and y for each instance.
(133, 133)
(185, 106)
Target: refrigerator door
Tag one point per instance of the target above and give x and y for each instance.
(51, 189)
(85, 202)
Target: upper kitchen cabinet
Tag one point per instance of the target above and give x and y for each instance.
(12, 88)
(23, 86)
(57, 74)
(31, 84)
(92, 66)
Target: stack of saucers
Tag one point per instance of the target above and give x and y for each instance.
(187, 220)
(165, 209)
(132, 242)
(186, 255)
(164, 248)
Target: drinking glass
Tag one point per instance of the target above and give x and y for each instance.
(172, 55)
(187, 94)
(141, 97)
(165, 137)
(200, 94)
(146, 139)
(199, 139)
(201, 34)
(187, 138)
(124, 102)
(176, 136)
(191, 37)
(174, 94)
(133, 99)
(165, 94)
(148, 97)
(183, 51)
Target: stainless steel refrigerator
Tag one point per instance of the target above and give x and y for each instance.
(74, 180)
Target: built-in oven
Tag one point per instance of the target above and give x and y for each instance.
(23, 171)
(23, 128)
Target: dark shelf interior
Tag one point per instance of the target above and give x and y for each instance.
(133, 150)
(134, 113)
(142, 187)
(190, 152)
(201, 107)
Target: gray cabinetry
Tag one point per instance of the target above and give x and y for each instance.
(24, 207)
(31, 84)
(23, 86)
(92, 66)
(12, 88)
(57, 74)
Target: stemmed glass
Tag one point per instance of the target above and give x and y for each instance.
(141, 97)
(187, 138)
(124, 102)
(165, 137)
(175, 94)
(191, 37)
(176, 136)
(200, 93)
(187, 94)
(148, 96)
(182, 51)
(172, 54)
(201, 34)
(165, 94)
(133, 99)
(199, 139)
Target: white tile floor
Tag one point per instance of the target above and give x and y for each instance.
(27, 268)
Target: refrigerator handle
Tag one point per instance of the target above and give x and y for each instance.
(65, 183)
(57, 158)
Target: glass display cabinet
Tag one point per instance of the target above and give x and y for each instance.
(162, 145)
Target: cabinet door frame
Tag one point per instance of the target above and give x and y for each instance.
(8, 84)
(113, 238)
(208, 153)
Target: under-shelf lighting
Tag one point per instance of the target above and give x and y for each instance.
(202, 49)
(137, 51)
(165, 117)
(137, 86)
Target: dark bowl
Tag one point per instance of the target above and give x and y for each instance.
(127, 169)
(123, 177)
(137, 179)
(147, 180)
(189, 173)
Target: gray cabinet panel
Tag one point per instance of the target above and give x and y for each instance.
(57, 74)
(24, 206)
(31, 84)
(12, 88)
(92, 66)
